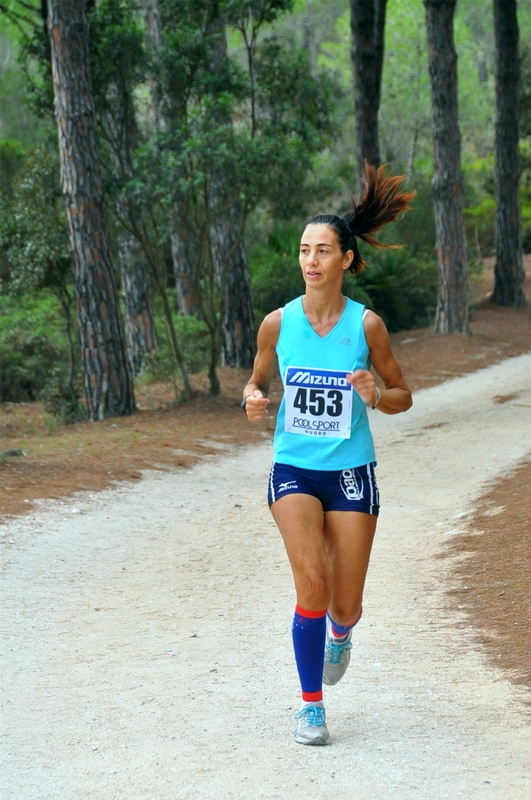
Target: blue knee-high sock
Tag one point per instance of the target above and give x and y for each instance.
(309, 634)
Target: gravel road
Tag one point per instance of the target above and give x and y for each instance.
(146, 644)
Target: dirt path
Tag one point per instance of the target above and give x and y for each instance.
(146, 632)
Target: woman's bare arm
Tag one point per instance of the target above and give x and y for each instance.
(396, 396)
(256, 390)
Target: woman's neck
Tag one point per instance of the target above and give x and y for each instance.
(323, 308)
(323, 314)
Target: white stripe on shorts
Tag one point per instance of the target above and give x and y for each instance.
(371, 485)
(271, 484)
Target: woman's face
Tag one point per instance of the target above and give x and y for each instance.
(320, 256)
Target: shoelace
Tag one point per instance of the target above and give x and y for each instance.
(314, 715)
(334, 652)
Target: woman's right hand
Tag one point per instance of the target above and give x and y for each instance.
(256, 406)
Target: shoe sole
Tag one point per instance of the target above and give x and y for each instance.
(328, 682)
(319, 740)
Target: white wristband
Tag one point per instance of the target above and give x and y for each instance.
(378, 397)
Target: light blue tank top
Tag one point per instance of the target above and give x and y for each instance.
(316, 394)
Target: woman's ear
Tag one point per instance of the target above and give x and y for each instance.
(348, 259)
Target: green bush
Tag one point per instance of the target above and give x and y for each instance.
(275, 272)
(400, 288)
(32, 344)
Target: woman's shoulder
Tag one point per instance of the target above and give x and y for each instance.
(270, 329)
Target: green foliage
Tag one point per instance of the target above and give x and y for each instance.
(35, 59)
(524, 104)
(401, 289)
(274, 267)
(32, 344)
(416, 230)
(33, 232)
(117, 51)
(480, 227)
(12, 157)
(17, 120)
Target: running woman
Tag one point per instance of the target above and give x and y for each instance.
(322, 488)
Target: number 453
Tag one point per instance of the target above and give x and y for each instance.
(319, 401)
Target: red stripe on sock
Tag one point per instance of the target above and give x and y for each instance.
(310, 614)
(312, 697)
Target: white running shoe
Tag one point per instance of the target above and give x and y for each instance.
(337, 656)
(311, 727)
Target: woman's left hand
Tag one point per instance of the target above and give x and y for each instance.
(363, 382)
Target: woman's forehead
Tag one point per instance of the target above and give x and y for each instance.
(318, 233)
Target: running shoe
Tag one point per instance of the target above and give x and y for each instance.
(311, 726)
(337, 656)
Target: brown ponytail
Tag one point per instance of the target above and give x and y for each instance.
(380, 203)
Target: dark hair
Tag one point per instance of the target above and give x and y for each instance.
(380, 203)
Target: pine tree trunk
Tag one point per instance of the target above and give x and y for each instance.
(452, 314)
(238, 348)
(136, 290)
(184, 257)
(509, 273)
(367, 22)
(108, 380)
(153, 28)
(122, 131)
(238, 321)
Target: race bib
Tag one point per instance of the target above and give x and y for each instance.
(318, 402)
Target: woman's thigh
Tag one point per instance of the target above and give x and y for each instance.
(300, 520)
(348, 538)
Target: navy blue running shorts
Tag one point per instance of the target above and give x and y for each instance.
(342, 490)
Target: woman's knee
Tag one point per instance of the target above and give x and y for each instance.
(346, 612)
(313, 590)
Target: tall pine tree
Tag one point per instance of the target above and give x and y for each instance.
(367, 22)
(509, 273)
(108, 380)
(452, 314)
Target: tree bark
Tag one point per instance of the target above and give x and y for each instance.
(238, 320)
(121, 129)
(153, 28)
(367, 22)
(108, 380)
(509, 273)
(452, 314)
(238, 348)
(136, 289)
(184, 256)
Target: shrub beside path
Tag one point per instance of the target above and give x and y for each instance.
(146, 631)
